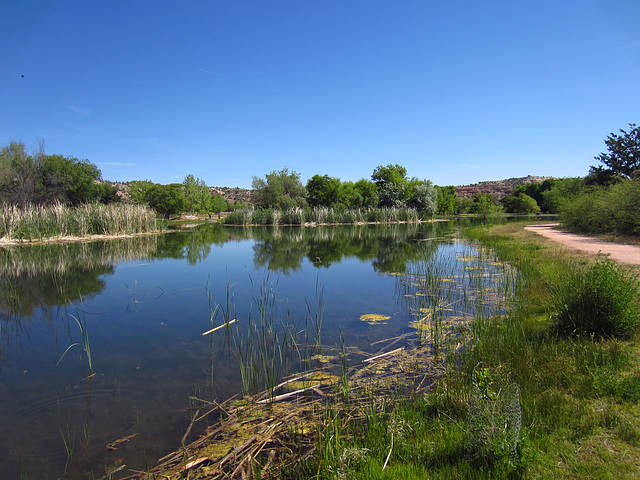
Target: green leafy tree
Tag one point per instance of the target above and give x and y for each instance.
(197, 195)
(138, 191)
(485, 205)
(533, 190)
(446, 200)
(279, 189)
(70, 180)
(23, 179)
(323, 191)
(219, 204)
(167, 200)
(350, 196)
(622, 159)
(559, 191)
(464, 205)
(424, 197)
(43, 179)
(394, 189)
(396, 174)
(368, 191)
(521, 203)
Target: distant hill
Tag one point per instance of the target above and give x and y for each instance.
(497, 188)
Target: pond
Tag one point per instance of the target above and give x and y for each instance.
(102, 352)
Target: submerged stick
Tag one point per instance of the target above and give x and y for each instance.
(286, 395)
(220, 326)
(392, 352)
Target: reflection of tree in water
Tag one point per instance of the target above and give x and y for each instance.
(57, 274)
(194, 245)
(388, 247)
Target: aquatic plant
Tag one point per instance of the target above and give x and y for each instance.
(85, 342)
(323, 216)
(39, 222)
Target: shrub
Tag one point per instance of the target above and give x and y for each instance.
(596, 301)
(615, 209)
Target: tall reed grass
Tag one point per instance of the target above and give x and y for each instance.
(270, 348)
(323, 216)
(40, 222)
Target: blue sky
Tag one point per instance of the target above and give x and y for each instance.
(456, 91)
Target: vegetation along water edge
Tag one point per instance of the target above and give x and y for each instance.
(550, 387)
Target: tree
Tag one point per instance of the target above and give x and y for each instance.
(560, 191)
(390, 174)
(464, 205)
(394, 189)
(196, 194)
(167, 200)
(521, 203)
(424, 197)
(323, 191)
(70, 180)
(218, 204)
(446, 200)
(485, 205)
(22, 179)
(368, 191)
(622, 160)
(138, 191)
(280, 189)
(350, 196)
(44, 179)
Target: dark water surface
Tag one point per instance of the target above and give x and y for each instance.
(144, 304)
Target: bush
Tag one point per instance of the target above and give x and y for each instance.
(597, 301)
(615, 209)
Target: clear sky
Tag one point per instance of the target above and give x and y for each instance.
(455, 91)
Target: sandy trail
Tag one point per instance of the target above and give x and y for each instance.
(616, 251)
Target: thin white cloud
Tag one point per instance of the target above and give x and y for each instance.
(216, 73)
(81, 112)
(117, 164)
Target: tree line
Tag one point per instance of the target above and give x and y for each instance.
(607, 199)
(41, 180)
(390, 186)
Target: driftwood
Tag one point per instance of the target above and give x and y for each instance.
(273, 431)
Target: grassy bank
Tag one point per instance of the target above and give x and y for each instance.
(547, 388)
(551, 389)
(579, 385)
(40, 222)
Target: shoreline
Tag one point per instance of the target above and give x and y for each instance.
(4, 242)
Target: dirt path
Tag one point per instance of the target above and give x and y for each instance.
(616, 251)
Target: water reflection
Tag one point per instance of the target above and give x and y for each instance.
(45, 276)
(388, 247)
(146, 302)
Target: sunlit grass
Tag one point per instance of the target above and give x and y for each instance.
(323, 216)
(41, 222)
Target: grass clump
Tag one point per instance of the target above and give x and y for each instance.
(570, 343)
(58, 220)
(596, 300)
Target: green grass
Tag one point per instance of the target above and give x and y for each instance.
(578, 414)
(41, 222)
(322, 216)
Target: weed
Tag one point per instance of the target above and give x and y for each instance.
(595, 301)
(85, 342)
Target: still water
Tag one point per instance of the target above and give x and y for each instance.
(144, 303)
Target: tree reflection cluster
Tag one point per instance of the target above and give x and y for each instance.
(58, 274)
